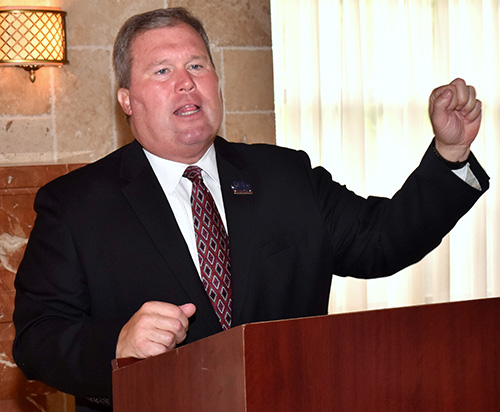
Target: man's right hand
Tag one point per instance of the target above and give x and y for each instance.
(157, 327)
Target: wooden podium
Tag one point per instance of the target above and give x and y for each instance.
(439, 357)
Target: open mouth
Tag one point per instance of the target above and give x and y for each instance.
(187, 110)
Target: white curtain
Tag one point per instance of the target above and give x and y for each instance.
(352, 81)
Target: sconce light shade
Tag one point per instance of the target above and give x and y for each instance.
(31, 38)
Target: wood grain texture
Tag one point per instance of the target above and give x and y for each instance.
(440, 357)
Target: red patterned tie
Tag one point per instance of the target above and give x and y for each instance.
(213, 247)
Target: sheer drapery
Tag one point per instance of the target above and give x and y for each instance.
(352, 81)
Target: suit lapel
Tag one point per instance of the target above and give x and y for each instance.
(147, 199)
(240, 220)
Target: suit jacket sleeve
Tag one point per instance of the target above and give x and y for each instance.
(61, 343)
(379, 236)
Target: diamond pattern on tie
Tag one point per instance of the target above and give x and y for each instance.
(213, 247)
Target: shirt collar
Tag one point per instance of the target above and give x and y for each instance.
(169, 173)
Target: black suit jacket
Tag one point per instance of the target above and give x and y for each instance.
(105, 241)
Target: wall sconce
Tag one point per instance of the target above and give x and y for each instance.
(32, 37)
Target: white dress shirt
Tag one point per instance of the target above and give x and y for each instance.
(178, 192)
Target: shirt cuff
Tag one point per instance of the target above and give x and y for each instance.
(465, 173)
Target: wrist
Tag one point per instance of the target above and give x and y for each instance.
(454, 159)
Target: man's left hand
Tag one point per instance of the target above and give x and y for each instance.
(455, 115)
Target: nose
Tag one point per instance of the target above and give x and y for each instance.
(185, 82)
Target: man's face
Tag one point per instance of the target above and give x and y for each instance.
(174, 100)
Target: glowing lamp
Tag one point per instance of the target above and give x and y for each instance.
(32, 37)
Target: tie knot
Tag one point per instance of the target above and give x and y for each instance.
(193, 173)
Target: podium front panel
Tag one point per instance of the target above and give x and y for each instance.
(207, 375)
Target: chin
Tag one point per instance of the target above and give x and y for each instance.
(199, 136)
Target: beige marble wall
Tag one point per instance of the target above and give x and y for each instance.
(71, 115)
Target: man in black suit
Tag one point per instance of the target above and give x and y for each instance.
(111, 267)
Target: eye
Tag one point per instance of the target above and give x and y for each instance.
(162, 71)
(195, 66)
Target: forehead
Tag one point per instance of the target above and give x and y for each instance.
(177, 39)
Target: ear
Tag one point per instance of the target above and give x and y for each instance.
(124, 100)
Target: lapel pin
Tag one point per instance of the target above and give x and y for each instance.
(242, 188)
